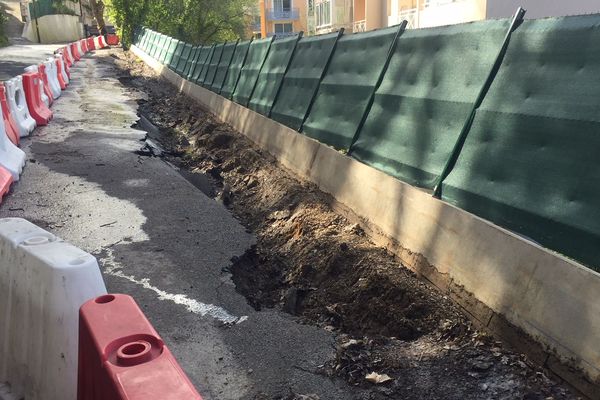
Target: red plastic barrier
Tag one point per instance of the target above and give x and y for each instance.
(84, 46)
(9, 123)
(61, 81)
(75, 52)
(67, 60)
(6, 180)
(112, 40)
(42, 70)
(122, 357)
(37, 108)
(90, 43)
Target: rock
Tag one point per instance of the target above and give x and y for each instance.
(377, 379)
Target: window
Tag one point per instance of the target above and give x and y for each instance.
(283, 28)
(282, 5)
(323, 13)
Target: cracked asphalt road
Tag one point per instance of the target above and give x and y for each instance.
(161, 240)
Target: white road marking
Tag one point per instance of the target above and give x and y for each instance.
(114, 268)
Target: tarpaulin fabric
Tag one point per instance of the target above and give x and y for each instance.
(185, 54)
(171, 51)
(213, 65)
(345, 90)
(226, 57)
(235, 67)
(188, 64)
(301, 81)
(200, 62)
(259, 49)
(152, 42)
(162, 56)
(205, 66)
(427, 93)
(160, 45)
(530, 160)
(176, 55)
(271, 74)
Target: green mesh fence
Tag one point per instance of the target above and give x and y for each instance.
(223, 67)
(301, 81)
(345, 90)
(235, 68)
(271, 74)
(530, 160)
(259, 49)
(213, 65)
(425, 98)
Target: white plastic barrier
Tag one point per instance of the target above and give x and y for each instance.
(97, 44)
(63, 71)
(43, 283)
(43, 97)
(12, 158)
(80, 48)
(51, 73)
(68, 50)
(18, 105)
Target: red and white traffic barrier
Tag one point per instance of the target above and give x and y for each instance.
(43, 281)
(122, 357)
(43, 96)
(37, 109)
(10, 125)
(52, 77)
(12, 159)
(17, 104)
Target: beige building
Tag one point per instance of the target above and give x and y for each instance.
(281, 18)
(364, 15)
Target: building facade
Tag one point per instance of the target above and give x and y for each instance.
(314, 17)
(281, 18)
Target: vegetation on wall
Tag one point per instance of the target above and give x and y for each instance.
(195, 21)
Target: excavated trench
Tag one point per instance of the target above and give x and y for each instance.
(311, 262)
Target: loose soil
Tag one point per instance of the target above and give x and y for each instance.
(312, 262)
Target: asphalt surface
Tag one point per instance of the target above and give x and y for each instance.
(14, 58)
(161, 240)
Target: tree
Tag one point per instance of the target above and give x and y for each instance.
(194, 21)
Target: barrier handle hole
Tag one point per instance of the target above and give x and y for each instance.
(105, 299)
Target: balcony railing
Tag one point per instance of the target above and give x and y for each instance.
(281, 34)
(435, 3)
(277, 14)
(359, 26)
(411, 17)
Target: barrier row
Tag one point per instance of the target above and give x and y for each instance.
(62, 337)
(497, 117)
(25, 102)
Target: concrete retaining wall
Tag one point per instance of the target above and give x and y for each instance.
(70, 29)
(507, 284)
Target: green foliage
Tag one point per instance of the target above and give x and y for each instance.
(194, 21)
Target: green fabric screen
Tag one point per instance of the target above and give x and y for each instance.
(176, 55)
(171, 51)
(425, 98)
(235, 67)
(160, 46)
(193, 62)
(199, 64)
(188, 65)
(223, 66)
(259, 49)
(185, 54)
(345, 90)
(162, 57)
(205, 66)
(530, 161)
(302, 79)
(213, 65)
(271, 74)
(152, 43)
